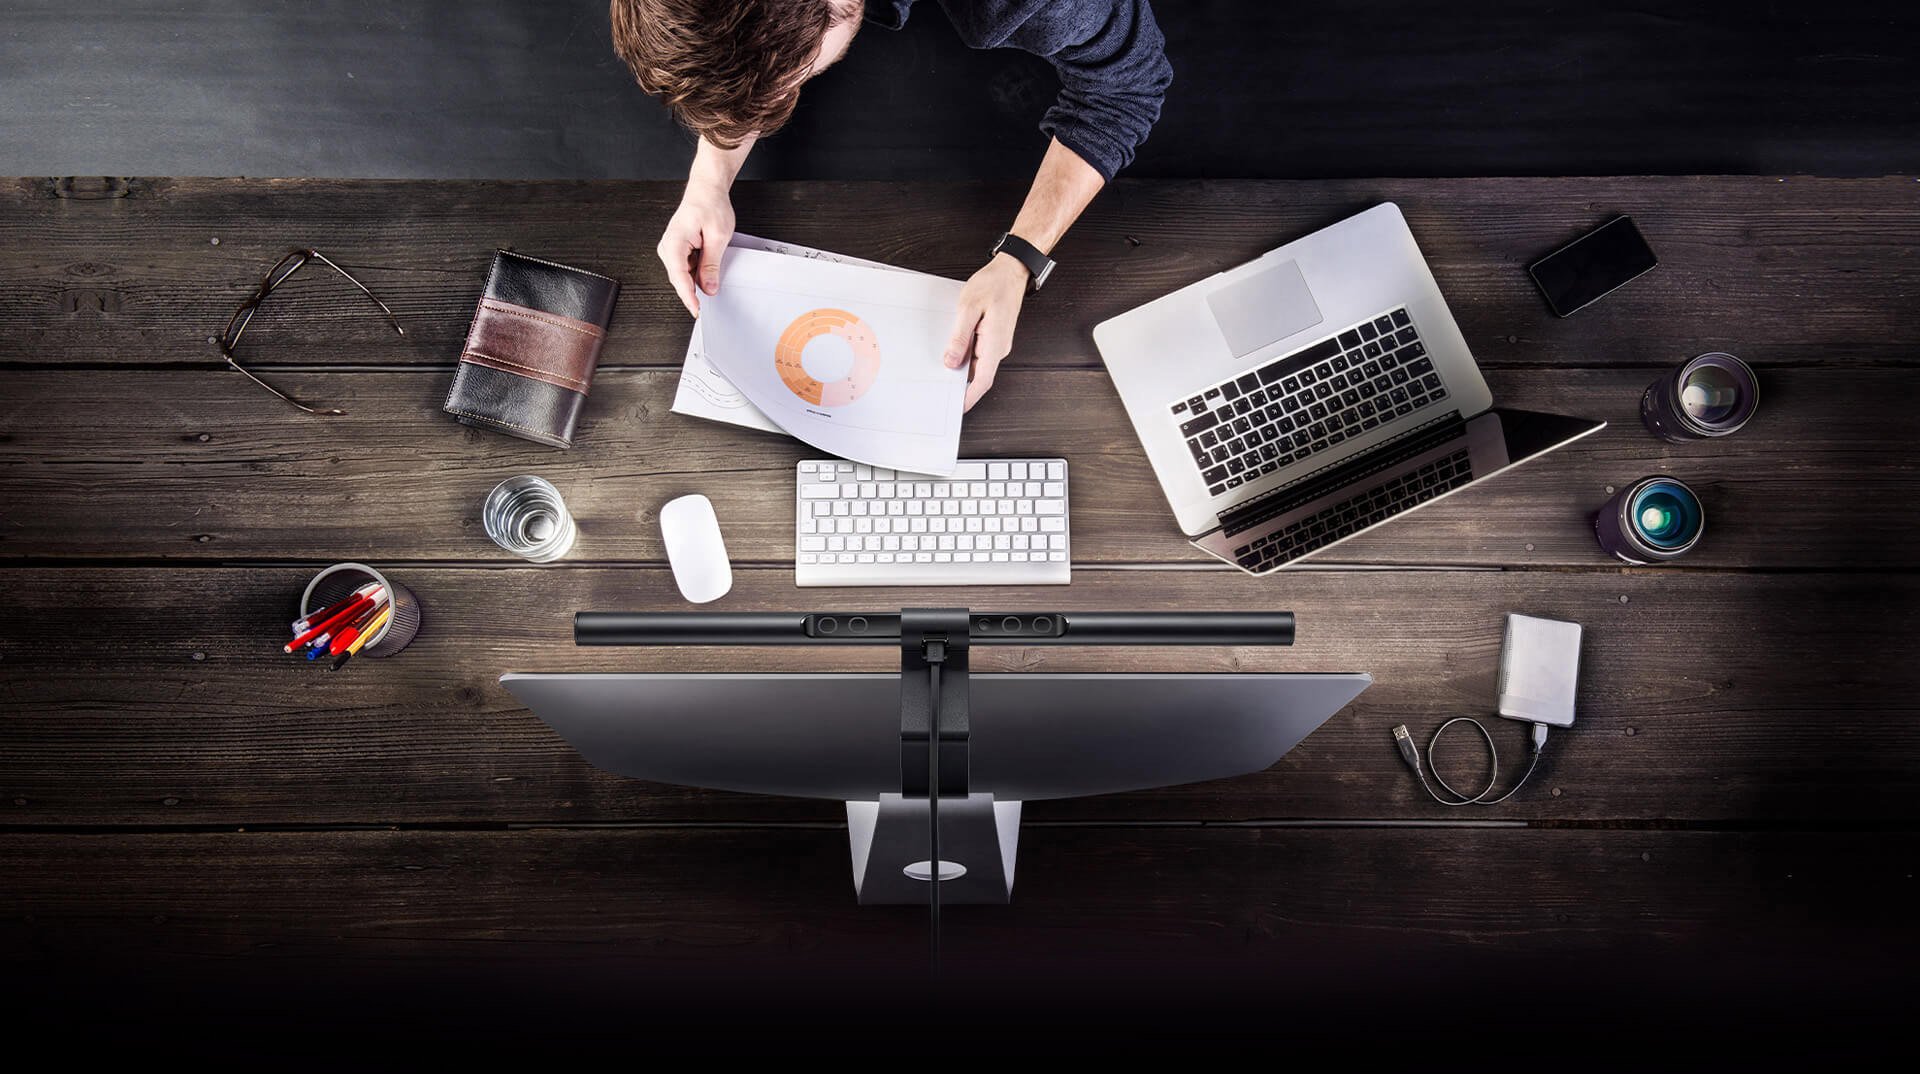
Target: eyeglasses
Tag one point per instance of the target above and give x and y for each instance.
(277, 275)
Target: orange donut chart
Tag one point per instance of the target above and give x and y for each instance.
(810, 326)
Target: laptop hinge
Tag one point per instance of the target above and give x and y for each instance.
(1391, 452)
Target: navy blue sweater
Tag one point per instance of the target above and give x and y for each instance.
(1110, 54)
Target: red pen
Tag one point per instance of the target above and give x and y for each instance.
(345, 615)
(302, 624)
(346, 636)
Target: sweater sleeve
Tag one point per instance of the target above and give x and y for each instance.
(1111, 58)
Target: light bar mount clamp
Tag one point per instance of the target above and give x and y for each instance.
(933, 699)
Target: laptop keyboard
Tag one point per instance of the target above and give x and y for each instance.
(1300, 405)
(1349, 517)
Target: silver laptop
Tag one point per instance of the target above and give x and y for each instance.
(1313, 394)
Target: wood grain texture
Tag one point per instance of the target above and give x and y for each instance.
(205, 466)
(1705, 697)
(625, 902)
(1731, 818)
(143, 271)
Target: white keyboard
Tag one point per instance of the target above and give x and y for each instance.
(992, 522)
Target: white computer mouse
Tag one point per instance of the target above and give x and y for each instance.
(694, 548)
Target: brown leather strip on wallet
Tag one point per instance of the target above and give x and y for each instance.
(533, 343)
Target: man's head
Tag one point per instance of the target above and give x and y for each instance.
(731, 69)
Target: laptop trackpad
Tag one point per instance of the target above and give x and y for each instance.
(1269, 305)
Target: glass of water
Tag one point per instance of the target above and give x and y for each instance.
(526, 516)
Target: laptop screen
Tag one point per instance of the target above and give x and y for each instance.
(1324, 509)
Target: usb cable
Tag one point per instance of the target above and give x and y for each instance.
(1411, 754)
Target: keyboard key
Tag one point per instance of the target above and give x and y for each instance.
(1368, 331)
(1384, 325)
(1274, 371)
(1399, 318)
(1190, 428)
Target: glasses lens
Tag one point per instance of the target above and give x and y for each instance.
(288, 266)
(238, 322)
(1711, 395)
(1666, 514)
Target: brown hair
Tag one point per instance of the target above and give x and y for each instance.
(728, 69)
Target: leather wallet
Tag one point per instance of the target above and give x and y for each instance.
(529, 357)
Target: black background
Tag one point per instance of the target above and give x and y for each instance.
(522, 89)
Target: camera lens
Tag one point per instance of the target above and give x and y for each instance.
(828, 624)
(1652, 520)
(1712, 395)
(1010, 625)
(1666, 514)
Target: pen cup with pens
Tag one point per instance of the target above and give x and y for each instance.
(351, 610)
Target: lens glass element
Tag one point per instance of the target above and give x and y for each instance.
(1665, 514)
(1710, 394)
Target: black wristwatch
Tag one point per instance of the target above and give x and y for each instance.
(1038, 264)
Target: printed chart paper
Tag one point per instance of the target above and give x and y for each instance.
(844, 357)
(704, 391)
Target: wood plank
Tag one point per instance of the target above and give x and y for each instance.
(156, 696)
(193, 465)
(1781, 271)
(1264, 909)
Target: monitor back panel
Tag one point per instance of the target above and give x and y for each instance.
(1034, 736)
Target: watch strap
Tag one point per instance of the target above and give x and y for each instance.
(1038, 265)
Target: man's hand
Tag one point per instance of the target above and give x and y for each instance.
(989, 306)
(694, 241)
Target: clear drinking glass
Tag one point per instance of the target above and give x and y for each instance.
(526, 516)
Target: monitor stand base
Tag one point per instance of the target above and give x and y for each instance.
(889, 837)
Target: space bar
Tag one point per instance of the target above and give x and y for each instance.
(1299, 360)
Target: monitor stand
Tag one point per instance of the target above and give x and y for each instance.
(978, 839)
(977, 836)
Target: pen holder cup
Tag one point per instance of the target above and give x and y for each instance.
(341, 579)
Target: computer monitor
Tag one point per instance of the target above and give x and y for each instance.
(1032, 736)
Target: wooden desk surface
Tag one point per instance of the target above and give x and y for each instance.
(1742, 788)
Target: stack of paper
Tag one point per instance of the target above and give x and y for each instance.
(841, 353)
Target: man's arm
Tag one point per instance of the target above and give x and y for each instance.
(697, 235)
(1111, 58)
(990, 302)
(1112, 62)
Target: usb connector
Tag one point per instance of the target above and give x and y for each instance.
(1408, 751)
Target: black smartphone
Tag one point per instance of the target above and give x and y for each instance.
(1592, 266)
